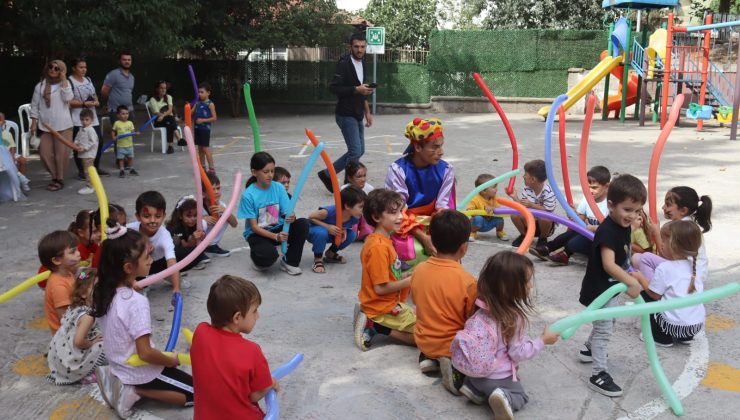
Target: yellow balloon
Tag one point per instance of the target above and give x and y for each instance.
(10, 294)
(102, 199)
(135, 360)
(188, 335)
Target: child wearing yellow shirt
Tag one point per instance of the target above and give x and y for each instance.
(486, 201)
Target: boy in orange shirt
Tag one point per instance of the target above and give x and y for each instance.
(444, 294)
(383, 291)
(58, 251)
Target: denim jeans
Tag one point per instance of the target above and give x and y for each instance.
(353, 132)
(485, 223)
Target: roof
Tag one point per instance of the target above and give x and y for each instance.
(643, 4)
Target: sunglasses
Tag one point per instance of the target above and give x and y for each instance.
(54, 67)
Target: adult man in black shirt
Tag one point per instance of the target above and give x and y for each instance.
(352, 91)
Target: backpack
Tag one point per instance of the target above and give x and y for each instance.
(474, 347)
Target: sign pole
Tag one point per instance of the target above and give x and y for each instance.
(375, 79)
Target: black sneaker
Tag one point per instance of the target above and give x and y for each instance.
(540, 251)
(585, 355)
(452, 379)
(427, 365)
(326, 180)
(170, 150)
(133, 172)
(81, 176)
(121, 174)
(518, 241)
(182, 142)
(604, 384)
(217, 251)
(103, 173)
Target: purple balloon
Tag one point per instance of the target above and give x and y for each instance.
(541, 214)
(195, 84)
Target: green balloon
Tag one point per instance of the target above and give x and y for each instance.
(252, 117)
(503, 177)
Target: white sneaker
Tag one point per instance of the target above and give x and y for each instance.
(102, 376)
(259, 268)
(86, 191)
(200, 266)
(500, 405)
(293, 271)
(24, 182)
(125, 397)
(472, 396)
(185, 284)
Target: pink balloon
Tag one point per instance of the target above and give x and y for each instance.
(196, 176)
(204, 243)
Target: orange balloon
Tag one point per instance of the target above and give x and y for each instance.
(188, 116)
(529, 236)
(334, 183)
(582, 159)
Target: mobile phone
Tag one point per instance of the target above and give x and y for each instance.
(372, 85)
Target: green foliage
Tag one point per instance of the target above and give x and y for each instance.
(543, 14)
(699, 8)
(407, 23)
(226, 27)
(461, 14)
(62, 27)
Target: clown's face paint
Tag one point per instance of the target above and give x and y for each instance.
(430, 152)
(151, 219)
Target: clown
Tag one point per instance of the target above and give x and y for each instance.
(426, 182)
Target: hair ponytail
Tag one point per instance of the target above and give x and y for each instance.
(700, 209)
(692, 286)
(703, 213)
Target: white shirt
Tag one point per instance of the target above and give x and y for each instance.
(672, 279)
(161, 241)
(358, 69)
(702, 261)
(585, 209)
(367, 188)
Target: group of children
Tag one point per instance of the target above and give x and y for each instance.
(472, 331)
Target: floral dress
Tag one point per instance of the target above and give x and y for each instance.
(67, 363)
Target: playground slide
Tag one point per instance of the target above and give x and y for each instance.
(614, 103)
(587, 83)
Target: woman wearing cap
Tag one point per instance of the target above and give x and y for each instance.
(426, 182)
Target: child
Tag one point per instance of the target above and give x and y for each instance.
(124, 145)
(204, 112)
(150, 211)
(121, 215)
(58, 252)
(283, 176)
(537, 194)
(677, 277)
(607, 264)
(323, 228)
(18, 160)
(230, 373)
(185, 234)
(681, 203)
(77, 348)
(571, 241)
(88, 238)
(486, 200)
(263, 204)
(212, 212)
(355, 173)
(444, 294)
(87, 141)
(495, 338)
(640, 236)
(123, 315)
(382, 294)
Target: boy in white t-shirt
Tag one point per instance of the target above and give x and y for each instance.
(571, 241)
(151, 208)
(87, 143)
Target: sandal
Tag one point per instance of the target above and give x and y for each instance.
(335, 259)
(318, 267)
(54, 185)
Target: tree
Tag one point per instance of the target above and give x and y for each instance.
(407, 22)
(461, 14)
(58, 28)
(543, 14)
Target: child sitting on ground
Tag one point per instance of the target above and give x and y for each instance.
(87, 141)
(444, 294)
(488, 351)
(58, 252)
(486, 201)
(212, 212)
(323, 228)
(124, 145)
(355, 173)
(151, 208)
(263, 204)
(77, 348)
(608, 264)
(537, 194)
(185, 234)
(641, 234)
(230, 373)
(283, 177)
(382, 308)
(124, 316)
(570, 240)
(675, 278)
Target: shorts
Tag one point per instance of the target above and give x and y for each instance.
(485, 223)
(172, 379)
(202, 137)
(404, 321)
(122, 152)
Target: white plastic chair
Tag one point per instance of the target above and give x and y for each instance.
(162, 130)
(11, 126)
(24, 146)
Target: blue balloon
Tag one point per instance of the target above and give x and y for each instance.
(541, 214)
(146, 124)
(273, 408)
(176, 320)
(110, 143)
(299, 187)
(548, 160)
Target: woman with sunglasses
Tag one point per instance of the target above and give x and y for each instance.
(85, 97)
(50, 104)
(160, 104)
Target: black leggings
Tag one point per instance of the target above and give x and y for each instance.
(170, 124)
(172, 379)
(263, 252)
(96, 162)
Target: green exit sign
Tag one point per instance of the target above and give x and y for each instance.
(376, 40)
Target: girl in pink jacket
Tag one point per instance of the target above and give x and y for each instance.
(494, 340)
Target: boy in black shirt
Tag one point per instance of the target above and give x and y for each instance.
(608, 263)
